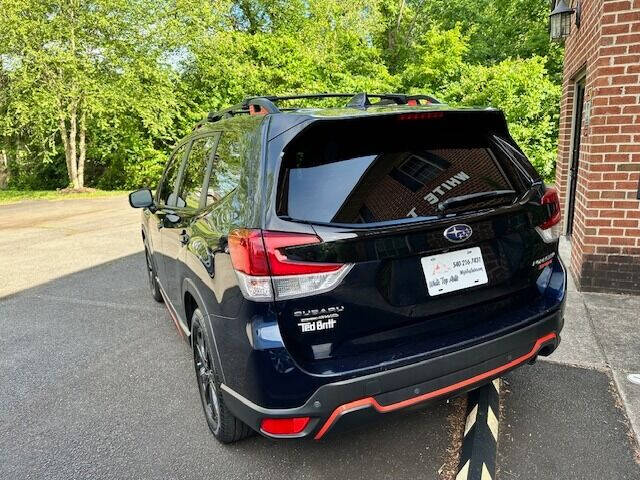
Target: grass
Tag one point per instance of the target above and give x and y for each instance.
(14, 196)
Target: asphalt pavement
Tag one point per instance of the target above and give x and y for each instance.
(97, 383)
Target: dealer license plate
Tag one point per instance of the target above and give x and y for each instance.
(453, 271)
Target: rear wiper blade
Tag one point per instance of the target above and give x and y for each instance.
(472, 198)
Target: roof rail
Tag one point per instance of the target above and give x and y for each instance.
(362, 100)
(357, 98)
(265, 104)
(251, 105)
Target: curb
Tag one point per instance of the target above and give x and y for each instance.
(480, 442)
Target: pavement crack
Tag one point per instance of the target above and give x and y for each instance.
(619, 403)
(595, 335)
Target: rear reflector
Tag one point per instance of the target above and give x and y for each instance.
(265, 272)
(284, 426)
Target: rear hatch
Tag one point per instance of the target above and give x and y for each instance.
(429, 223)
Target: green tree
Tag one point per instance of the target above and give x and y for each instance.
(529, 99)
(96, 91)
(328, 50)
(75, 63)
(438, 60)
(497, 30)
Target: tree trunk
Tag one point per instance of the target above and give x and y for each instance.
(83, 147)
(62, 125)
(394, 33)
(75, 162)
(75, 165)
(399, 19)
(73, 132)
(4, 169)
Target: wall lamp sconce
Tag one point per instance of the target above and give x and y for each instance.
(560, 20)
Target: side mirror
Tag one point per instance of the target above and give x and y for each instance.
(142, 198)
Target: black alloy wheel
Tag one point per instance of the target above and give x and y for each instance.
(222, 423)
(151, 275)
(206, 379)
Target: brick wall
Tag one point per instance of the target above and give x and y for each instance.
(606, 229)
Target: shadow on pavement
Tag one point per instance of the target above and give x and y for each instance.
(96, 383)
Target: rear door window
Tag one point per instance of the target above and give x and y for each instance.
(225, 173)
(363, 175)
(196, 170)
(170, 177)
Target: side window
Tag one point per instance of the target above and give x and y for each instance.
(225, 173)
(197, 167)
(167, 185)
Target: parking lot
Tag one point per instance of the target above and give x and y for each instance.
(96, 382)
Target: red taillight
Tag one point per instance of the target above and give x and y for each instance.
(254, 251)
(247, 252)
(284, 426)
(281, 265)
(265, 272)
(551, 198)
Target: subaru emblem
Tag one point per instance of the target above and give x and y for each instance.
(458, 233)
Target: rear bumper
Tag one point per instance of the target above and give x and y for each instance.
(398, 388)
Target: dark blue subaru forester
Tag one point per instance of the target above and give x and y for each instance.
(331, 264)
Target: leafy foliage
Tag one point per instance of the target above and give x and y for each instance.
(142, 72)
(439, 60)
(522, 89)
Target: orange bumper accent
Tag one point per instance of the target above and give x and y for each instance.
(371, 402)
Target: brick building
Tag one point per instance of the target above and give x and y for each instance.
(599, 145)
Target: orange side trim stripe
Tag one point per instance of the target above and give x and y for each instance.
(173, 315)
(371, 402)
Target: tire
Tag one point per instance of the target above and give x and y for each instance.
(222, 423)
(151, 274)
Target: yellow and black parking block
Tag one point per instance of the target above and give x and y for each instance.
(479, 446)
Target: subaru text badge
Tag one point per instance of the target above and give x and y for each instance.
(458, 233)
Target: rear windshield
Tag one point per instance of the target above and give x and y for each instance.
(369, 173)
